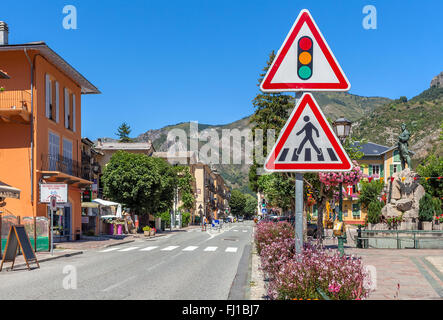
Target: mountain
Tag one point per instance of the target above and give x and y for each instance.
(334, 105)
(423, 116)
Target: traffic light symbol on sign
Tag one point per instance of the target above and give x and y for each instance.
(305, 57)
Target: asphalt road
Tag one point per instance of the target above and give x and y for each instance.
(191, 265)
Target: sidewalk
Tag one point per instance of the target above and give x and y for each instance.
(20, 263)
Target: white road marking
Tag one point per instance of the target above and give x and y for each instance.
(235, 230)
(210, 249)
(190, 248)
(231, 249)
(170, 248)
(128, 249)
(245, 230)
(110, 249)
(118, 284)
(149, 248)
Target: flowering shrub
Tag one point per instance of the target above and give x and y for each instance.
(332, 179)
(299, 277)
(269, 232)
(340, 277)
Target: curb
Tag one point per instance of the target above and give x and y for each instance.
(117, 244)
(66, 255)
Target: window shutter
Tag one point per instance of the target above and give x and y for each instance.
(48, 96)
(73, 112)
(370, 170)
(391, 170)
(382, 171)
(66, 108)
(57, 102)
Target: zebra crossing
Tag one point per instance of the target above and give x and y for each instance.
(309, 155)
(172, 248)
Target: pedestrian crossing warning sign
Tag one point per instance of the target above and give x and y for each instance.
(305, 62)
(307, 142)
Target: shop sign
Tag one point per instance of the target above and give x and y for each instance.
(59, 190)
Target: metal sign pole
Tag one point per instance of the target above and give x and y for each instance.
(298, 212)
(298, 200)
(52, 232)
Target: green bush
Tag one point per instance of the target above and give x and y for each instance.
(146, 228)
(374, 211)
(165, 216)
(186, 218)
(426, 208)
(370, 192)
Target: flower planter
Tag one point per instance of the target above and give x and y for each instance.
(426, 225)
(147, 233)
(152, 233)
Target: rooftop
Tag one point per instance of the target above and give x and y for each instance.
(86, 86)
(374, 149)
(115, 145)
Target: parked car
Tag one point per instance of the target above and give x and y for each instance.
(228, 219)
(240, 219)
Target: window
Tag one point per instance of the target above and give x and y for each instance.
(52, 98)
(355, 211)
(376, 169)
(67, 109)
(54, 151)
(67, 156)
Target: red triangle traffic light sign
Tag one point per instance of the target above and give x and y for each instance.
(305, 62)
(307, 143)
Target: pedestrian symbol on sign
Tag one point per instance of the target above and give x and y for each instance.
(308, 128)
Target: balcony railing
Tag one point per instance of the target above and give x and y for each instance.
(15, 99)
(51, 162)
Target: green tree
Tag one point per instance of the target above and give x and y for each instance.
(250, 206)
(370, 192)
(237, 203)
(183, 182)
(144, 184)
(271, 111)
(374, 211)
(123, 132)
(426, 209)
(433, 167)
(278, 190)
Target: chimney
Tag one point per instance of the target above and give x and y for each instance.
(4, 31)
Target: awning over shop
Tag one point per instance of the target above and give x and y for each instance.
(107, 203)
(6, 191)
(90, 205)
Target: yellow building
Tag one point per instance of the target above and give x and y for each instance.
(378, 162)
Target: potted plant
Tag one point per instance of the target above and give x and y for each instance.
(147, 231)
(153, 232)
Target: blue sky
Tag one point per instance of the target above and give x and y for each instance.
(164, 62)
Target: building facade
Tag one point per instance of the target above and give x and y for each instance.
(40, 131)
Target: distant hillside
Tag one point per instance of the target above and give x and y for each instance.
(423, 116)
(333, 104)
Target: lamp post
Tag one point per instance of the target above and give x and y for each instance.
(342, 129)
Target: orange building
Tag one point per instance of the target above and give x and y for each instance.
(40, 130)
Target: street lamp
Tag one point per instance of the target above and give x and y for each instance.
(342, 129)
